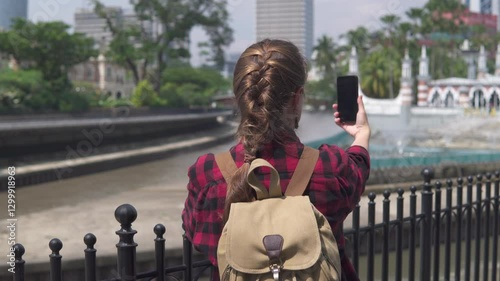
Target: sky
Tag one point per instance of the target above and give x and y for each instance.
(331, 17)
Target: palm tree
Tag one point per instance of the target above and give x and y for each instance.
(415, 14)
(381, 73)
(358, 38)
(402, 35)
(325, 60)
(390, 25)
(325, 56)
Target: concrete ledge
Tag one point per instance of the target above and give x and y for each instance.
(77, 166)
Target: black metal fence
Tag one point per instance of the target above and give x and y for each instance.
(453, 238)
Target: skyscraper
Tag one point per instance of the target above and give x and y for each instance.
(92, 25)
(287, 19)
(486, 7)
(10, 9)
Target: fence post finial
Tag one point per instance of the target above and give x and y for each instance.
(19, 262)
(159, 230)
(427, 174)
(90, 257)
(126, 214)
(55, 246)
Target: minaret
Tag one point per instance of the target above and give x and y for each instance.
(423, 78)
(101, 61)
(406, 81)
(353, 62)
(481, 63)
(497, 61)
(13, 64)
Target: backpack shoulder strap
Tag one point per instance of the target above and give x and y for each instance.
(226, 165)
(303, 172)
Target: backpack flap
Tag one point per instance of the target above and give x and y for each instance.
(291, 218)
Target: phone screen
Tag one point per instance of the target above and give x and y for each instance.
(347, 97)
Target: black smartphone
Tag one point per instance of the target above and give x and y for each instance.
(347, 97)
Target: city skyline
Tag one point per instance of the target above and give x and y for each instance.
(243, 17)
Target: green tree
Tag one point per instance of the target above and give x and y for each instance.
(325, 60)
(18, 88)
(442, 16)
(381, 73)
(138, 50)
(320, 92)
(27, 91)
(186, 86)
(403, 36)
(390, 22)
(145, 95)
(415, 14)
(358, 38)
(326, 56)
(438, 22)
(47, 47)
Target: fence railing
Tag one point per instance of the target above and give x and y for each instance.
(440, 231)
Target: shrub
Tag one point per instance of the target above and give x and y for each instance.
(145, 95)
(187, 86)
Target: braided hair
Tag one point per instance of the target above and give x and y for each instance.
(266, 77)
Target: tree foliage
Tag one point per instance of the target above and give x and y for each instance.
(45, 52)
(381, 73)
(135, 48)
(325, 61)
(27, 91)
(186, 86)
(47, 47)
(145, 95)
(438, 25)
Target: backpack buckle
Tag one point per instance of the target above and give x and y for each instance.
(275, 269)
(274, 245)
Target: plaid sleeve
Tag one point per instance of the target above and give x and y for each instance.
(358, 171)
(202, 214)
(189, 212)
(339, 182)
(346, 173)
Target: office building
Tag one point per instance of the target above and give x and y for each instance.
(482, 6)
(482, 12)
(287, 19)
(90, 24)
(10, 9)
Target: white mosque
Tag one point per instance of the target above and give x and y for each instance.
(444, 96)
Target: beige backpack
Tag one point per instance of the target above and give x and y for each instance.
(277, 237)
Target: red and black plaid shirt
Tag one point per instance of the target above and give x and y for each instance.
(335, 188)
